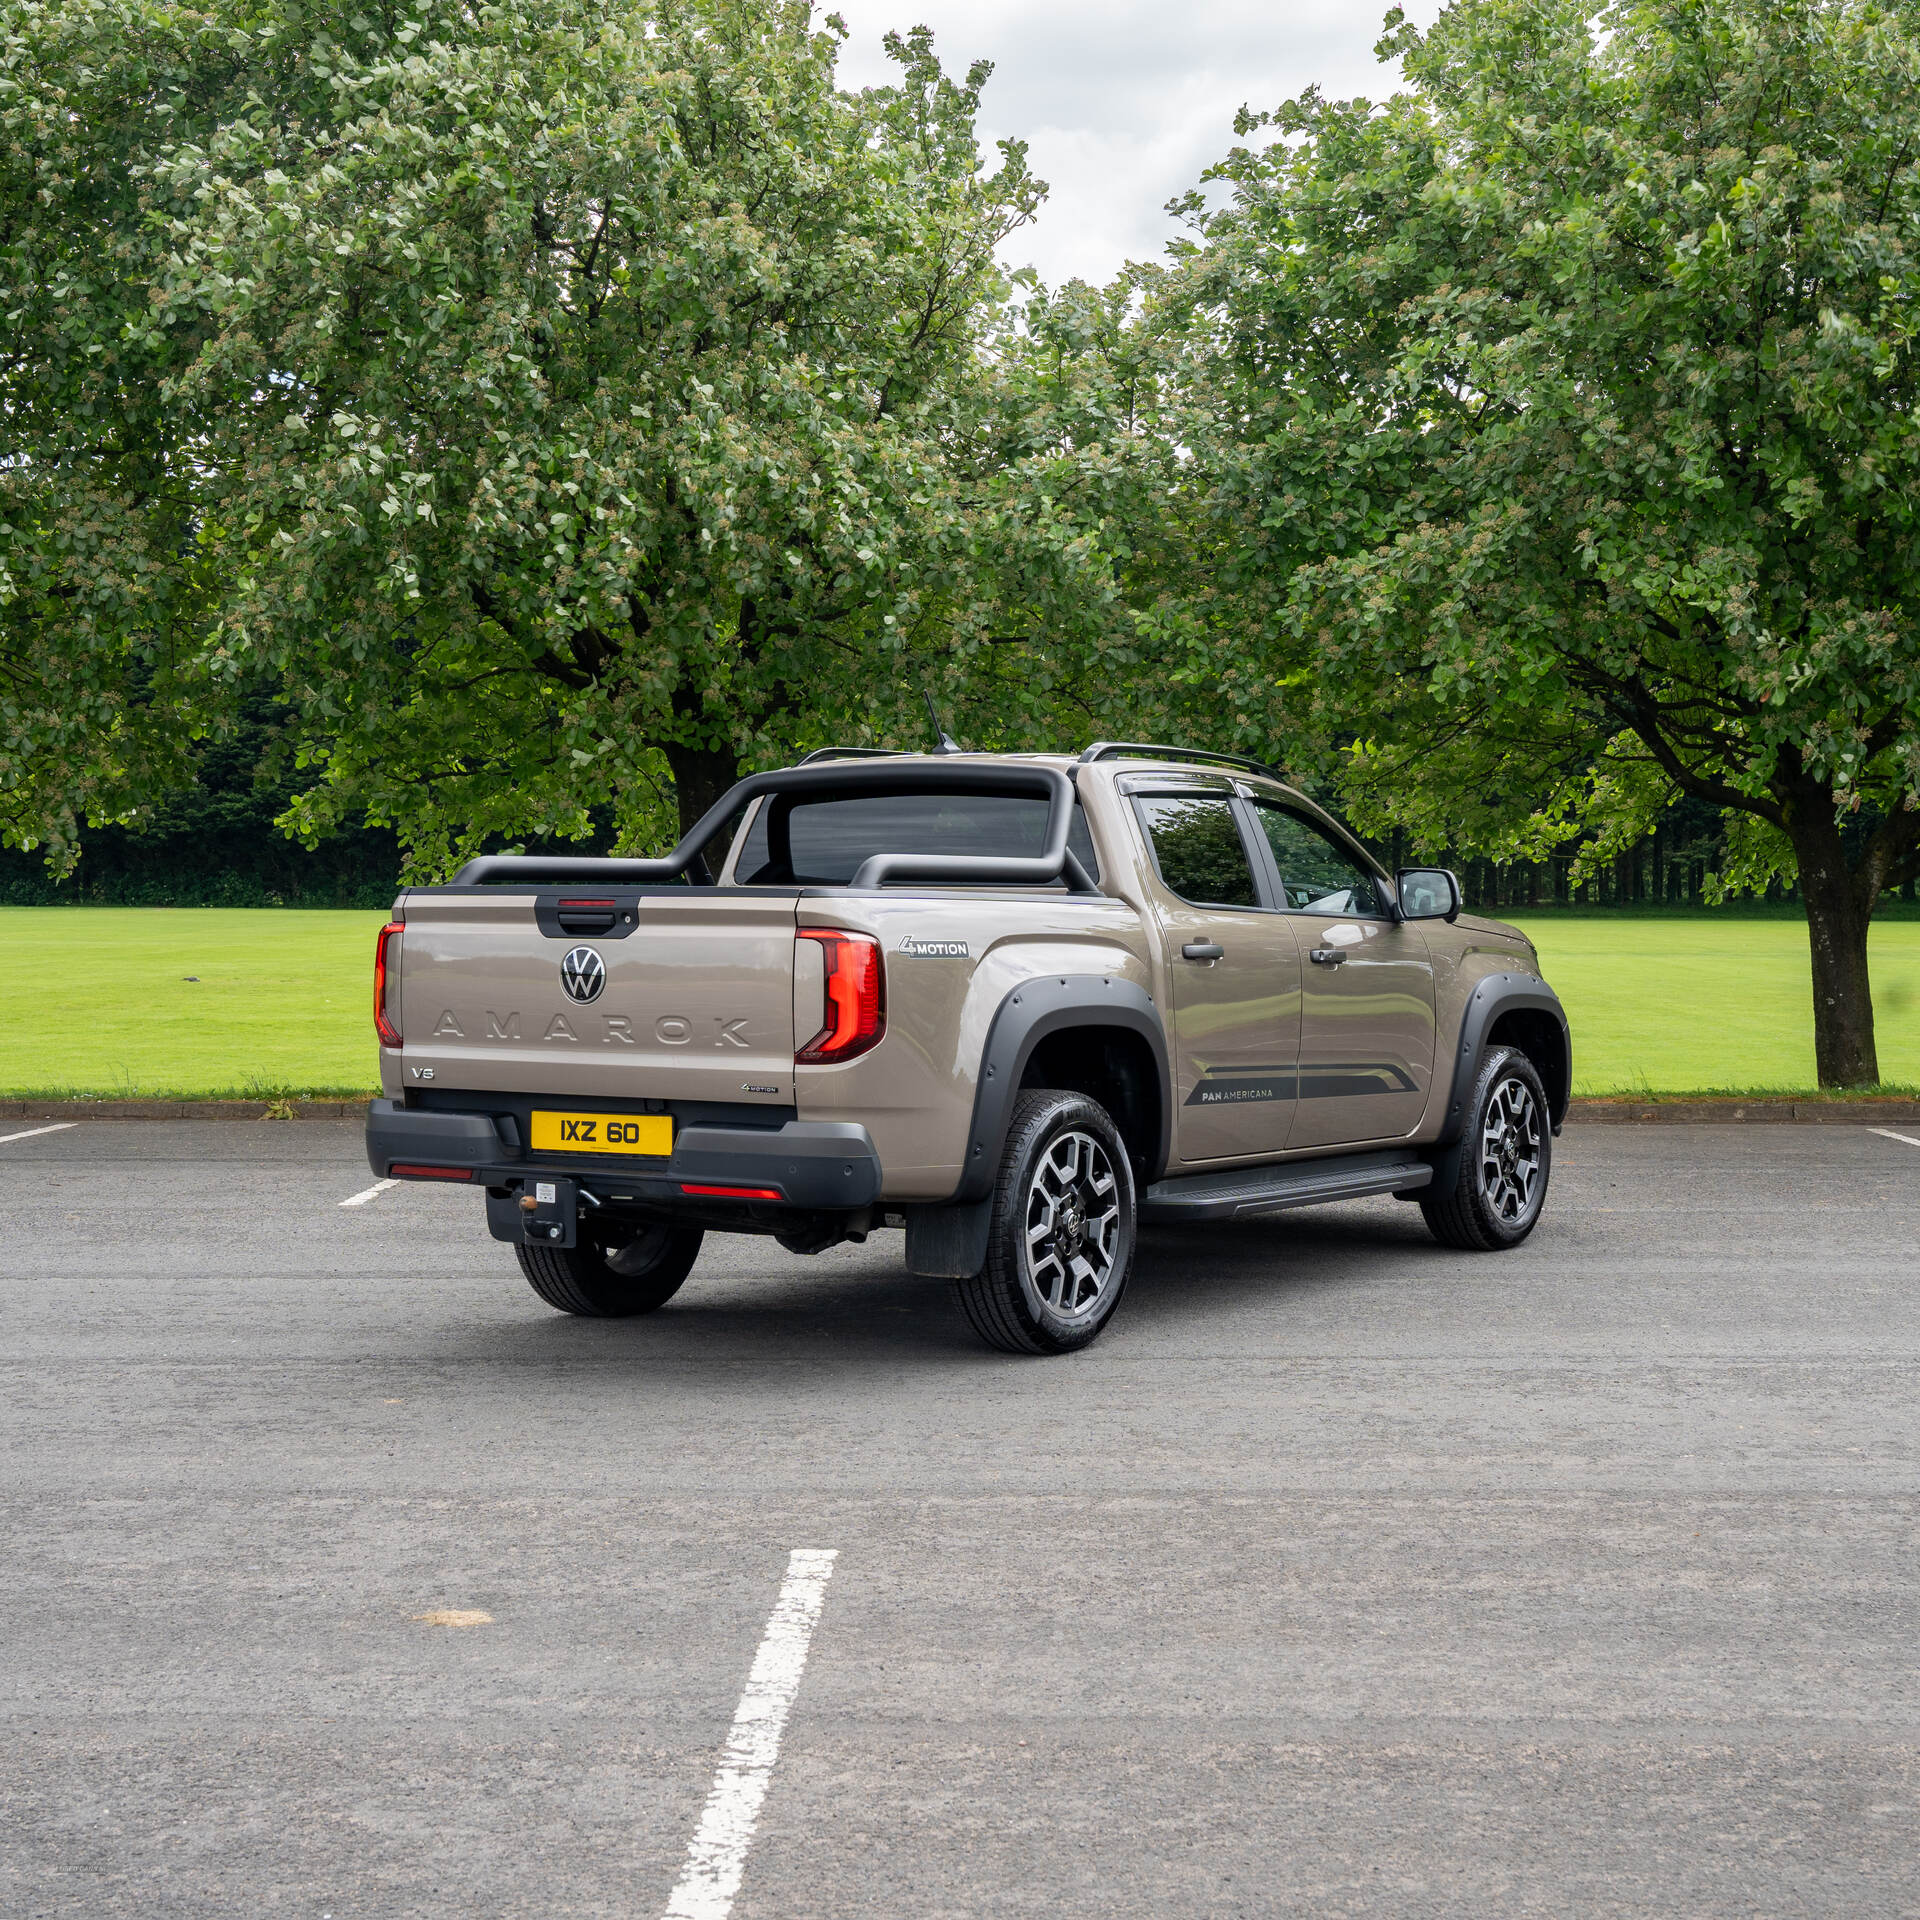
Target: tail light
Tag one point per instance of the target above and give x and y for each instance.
(854, 1014)
(389, 944)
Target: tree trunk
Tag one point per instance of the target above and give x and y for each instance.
(1838, 908)
(700, 776)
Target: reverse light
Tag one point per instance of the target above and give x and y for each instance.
(382, 1023)
(854, 1014)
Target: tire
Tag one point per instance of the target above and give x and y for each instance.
(1065, 1169)
(1505, 1161)
(600, 1283)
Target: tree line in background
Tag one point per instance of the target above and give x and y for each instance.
(504, 425)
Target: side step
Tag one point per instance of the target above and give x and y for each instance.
(1247, 1191)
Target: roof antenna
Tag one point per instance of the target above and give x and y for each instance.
(943, 741)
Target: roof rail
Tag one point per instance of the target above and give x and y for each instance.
(853, 753)
(1143, 750)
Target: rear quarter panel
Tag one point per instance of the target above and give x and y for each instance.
(915, 1091)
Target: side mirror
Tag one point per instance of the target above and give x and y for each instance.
(1428, 893)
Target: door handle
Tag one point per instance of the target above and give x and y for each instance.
(1327, 956)
(1202, 950)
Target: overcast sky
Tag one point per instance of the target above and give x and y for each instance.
(1122, 103)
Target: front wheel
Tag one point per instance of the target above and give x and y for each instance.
(1504, 1161)
(613, 1283)
(1061, 1242)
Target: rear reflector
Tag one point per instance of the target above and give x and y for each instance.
(567, 906)
(400, 1172)
(731, 1193)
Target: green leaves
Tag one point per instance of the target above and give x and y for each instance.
(557, 396)
(1559, 417)
(1586, 376)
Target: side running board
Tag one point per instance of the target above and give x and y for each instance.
(1247, 1191)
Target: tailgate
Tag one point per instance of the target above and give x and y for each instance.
(690, 1000)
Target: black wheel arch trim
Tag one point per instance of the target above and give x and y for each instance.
(1492, 996)
(1032, 1012)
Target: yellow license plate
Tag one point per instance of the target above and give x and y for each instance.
(650, 1133)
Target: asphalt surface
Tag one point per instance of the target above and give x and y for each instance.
(1344, 1575)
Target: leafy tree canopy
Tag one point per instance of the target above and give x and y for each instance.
(589, 380)
(106, 588)
(564, 404)
(1563, 415)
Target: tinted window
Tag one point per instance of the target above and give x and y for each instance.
(1316, 874)
(829, 839)
(1198, 846)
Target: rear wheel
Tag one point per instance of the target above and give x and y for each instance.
(1504, 1161)
(1061, 1243)
(613, 1283)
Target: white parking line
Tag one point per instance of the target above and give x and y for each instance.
(372, 1193)
(1887, 1133)
(59, 1126)
(718, 1853)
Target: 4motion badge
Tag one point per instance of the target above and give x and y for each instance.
(583, 973)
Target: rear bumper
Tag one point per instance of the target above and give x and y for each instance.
(805, 1163)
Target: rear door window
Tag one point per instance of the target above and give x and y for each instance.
(1197, 847)
(827, 840)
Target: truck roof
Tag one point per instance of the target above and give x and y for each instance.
(844, 772)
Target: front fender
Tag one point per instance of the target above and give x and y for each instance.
(1493, 995)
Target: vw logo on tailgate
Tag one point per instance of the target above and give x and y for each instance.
(583, 973)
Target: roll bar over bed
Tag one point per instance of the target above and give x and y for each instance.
(866, 778)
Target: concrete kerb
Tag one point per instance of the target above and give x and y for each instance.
(182, 1109)
(1675, 1113)
(1672, 1113)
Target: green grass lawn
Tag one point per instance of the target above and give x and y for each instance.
(1665, 1004)
(101, 1001)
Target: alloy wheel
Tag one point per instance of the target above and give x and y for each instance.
(1510, 1151)
(1071, 1249)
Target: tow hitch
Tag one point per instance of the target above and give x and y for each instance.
(543, 1213)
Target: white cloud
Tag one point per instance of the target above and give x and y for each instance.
(1124, 103)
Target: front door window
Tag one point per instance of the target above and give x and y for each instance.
(1316, 876)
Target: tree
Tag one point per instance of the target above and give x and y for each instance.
(588, 385)
(106, 589)
(1562, 417)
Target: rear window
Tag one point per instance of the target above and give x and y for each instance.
(828, 840)
(1197, 845)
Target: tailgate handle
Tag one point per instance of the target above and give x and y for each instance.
(586, 916)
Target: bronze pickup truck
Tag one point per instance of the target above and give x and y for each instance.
(1015, 1005)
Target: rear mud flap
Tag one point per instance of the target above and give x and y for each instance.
(949, 1243)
